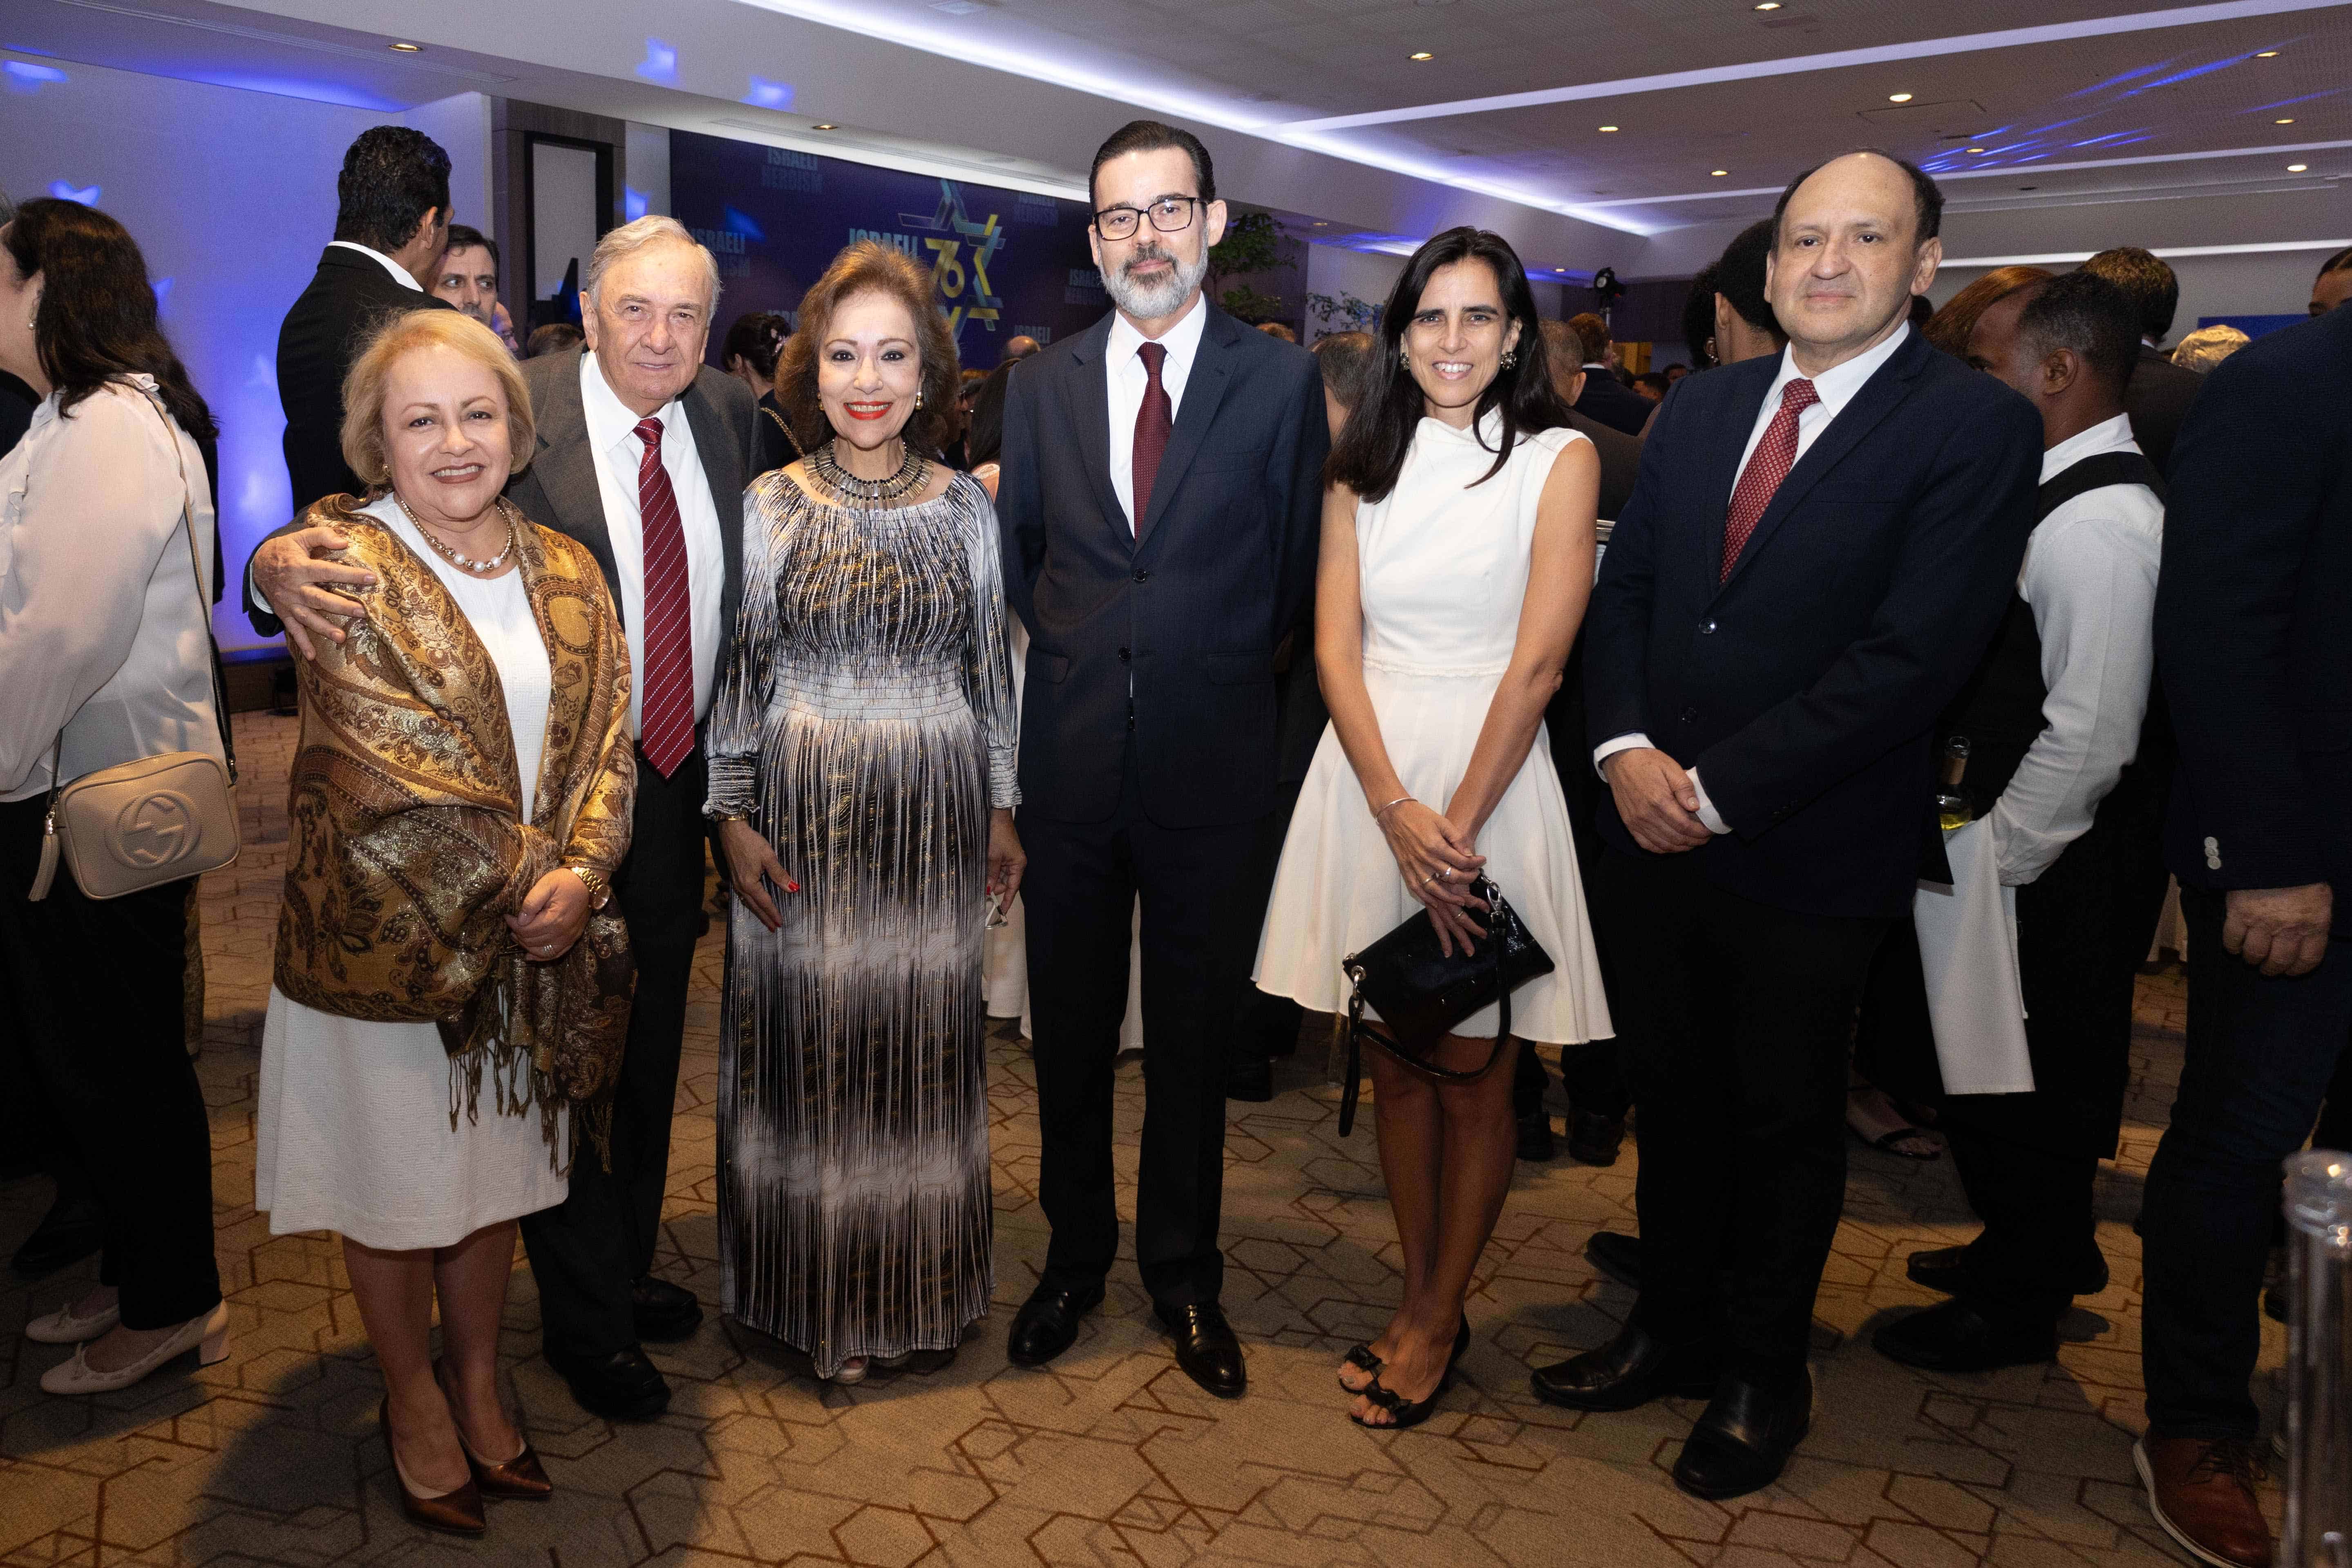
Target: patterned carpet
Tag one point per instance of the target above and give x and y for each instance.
(1110, 1457)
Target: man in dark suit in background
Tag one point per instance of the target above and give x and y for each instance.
(1817, 552)
(1605, 398)
(2253, 645)
(2160, 392)
(635, 434)
(2334, 284)
(392, 212)
(1161, 491)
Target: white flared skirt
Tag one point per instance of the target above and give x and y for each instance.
(1339, 890)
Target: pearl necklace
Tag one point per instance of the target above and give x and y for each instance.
(463, 563)
(914, 473)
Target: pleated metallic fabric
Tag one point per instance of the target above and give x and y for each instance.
(865, 722)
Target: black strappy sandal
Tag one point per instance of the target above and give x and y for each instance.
(1408, 1413)
(1361, 1357)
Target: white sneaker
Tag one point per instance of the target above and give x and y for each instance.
(62, 1328)
(207, 1336)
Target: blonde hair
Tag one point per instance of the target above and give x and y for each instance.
(402, 334)
(635, 235)
(2206, 347)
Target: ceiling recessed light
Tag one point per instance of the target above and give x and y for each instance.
(1718, 173)
(1769, 6)
(2297, 168)
(1975, 149)
(1422, 55)
(2289, 120)
(1608, 128)
(2267, 55)
(1322, 223)
(1898, 97)
(826, 125)
(410, 48)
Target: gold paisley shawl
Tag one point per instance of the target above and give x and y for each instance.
(408, 847)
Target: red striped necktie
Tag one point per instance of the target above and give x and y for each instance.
(1154, 418)
(666, 684)
(1775, 456)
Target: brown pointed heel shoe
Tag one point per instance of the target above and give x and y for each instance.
(521, 1477)
(458, 1511)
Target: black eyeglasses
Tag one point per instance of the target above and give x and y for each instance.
(1169, 216)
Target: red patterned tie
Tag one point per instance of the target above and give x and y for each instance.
(1153, 420)
(666, 724)
(1775, 456)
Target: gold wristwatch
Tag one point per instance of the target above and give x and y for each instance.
(600, 892)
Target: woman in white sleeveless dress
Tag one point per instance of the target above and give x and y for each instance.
(1457, 554)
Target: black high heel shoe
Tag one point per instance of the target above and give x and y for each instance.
(1361, 1356)
(1404, 1413)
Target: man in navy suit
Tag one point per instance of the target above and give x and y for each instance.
(1159, 502)
(1814, 557)
(2253, 644)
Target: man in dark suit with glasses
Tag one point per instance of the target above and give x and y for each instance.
(1159, 503)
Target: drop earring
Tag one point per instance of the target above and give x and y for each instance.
(1511, 358)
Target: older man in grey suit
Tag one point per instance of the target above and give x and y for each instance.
(642, 456)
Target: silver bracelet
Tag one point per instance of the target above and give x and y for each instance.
(1384, 810)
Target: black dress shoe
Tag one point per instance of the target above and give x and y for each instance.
(1535, 1136)
(70, 1231)
(622, 1386)
(1956, 1336)
(1594, 1139)
(1617, 1255)
(1206, 1347)
(1743, 1441)
(1950, 1270)
(1250, 1077)
(662, 1312)
(1047, 1322)
(1628, 1371)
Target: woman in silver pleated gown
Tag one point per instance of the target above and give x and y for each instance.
(861, 746)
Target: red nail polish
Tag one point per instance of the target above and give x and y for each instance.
(792, 887)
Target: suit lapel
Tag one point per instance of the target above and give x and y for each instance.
(1871, 403)
(1204, 388)
(1721, 470)
(567, 468)
(723, 462)
(1088, 395)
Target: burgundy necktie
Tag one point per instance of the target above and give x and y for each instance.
(1152, 423)
(1775, 456)
(666, 684)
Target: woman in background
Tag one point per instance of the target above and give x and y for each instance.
(105, 657)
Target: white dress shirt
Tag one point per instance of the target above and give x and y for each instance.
(1129, 381)
(2089, 579)
(102, 614)
(612, 437)
(402, 274)
(1834, 388)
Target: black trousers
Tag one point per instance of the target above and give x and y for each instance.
(588, 1250)
(1270, 1024)
(2261, 1053)
(1744, 1013)
(91, 1000)
(1200, 932)
(2039, 1223)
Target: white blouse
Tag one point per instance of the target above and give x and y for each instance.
(103, 616)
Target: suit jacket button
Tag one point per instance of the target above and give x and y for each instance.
(1123, 656)
(1143, 576)
(1706, 628)
(2212, 846)
(1690, 715)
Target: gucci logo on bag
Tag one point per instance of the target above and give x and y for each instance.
(155, 830)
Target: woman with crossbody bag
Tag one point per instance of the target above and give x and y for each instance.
(107, 660)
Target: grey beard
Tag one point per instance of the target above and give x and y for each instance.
(1149, 302)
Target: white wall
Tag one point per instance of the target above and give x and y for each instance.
(646, 153)
(231, 195)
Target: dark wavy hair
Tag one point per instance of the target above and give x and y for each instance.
(1699, 319)
(392, 177)
(97, 315)
(870, 267)
(1371, 450)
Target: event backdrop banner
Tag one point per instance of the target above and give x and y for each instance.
(1004, 263)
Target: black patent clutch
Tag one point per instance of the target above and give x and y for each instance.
(1421, 993)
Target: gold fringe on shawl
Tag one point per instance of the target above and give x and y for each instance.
(407, 843)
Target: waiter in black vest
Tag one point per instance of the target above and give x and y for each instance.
(2068, 771)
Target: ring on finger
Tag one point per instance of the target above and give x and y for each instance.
(1446, 873)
